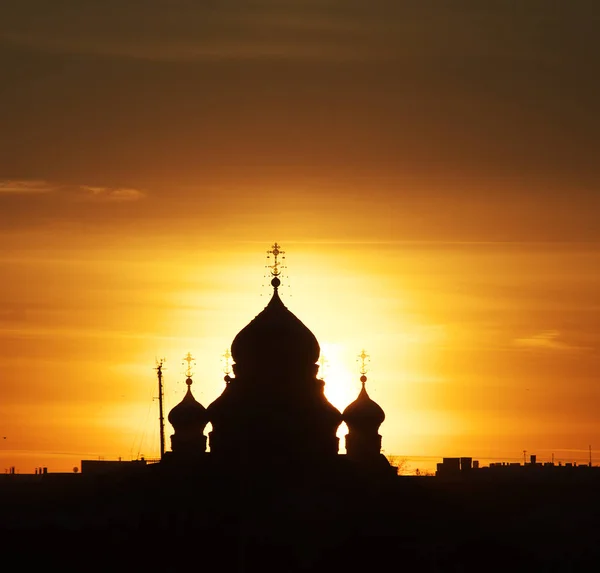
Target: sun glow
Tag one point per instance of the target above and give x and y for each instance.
(340, 370)
(341, 384)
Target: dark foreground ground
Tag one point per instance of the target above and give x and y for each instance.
(300, 522)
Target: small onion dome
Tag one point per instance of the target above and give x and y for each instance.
(275, 334)
(363, 413)
(189, 412)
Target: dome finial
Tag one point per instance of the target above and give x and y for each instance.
(364, 361)
(277, 266)
(323, 366)
(188, 371)
(227, 365)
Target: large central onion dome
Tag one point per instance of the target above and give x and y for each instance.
(275, 336)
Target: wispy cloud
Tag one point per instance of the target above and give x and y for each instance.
(212, 49)
(21, 187)
(112, 195)
(295, 29)
(71, 192)
(546, 340)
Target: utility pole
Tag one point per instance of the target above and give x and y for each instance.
(161, 417)
(524, 457)
(590, 455)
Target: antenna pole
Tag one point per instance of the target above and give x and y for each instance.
(590, 455)
(161, 416)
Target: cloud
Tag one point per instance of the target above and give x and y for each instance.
(181, 51)
(25, 187)
(546, 340)
(111, 195)
(295, 29)
(71, 192)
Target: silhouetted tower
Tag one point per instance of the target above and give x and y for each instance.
(188, 418)
(363, 418)
(161, 416)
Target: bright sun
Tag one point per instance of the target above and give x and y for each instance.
(341, 384)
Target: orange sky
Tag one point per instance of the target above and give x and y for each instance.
(432, 176)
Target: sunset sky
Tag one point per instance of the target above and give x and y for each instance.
(431, 169)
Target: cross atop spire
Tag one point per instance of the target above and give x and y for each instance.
(189, 359)
(227, 362)
(323, 365)
(364, 360)
(277, 266)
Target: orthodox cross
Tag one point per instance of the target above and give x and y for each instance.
(189, 359)
(277, 264)
(323, 362)
(227, 361)
(364, 360)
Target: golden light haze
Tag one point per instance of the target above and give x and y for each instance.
(477, 349)
(430, 169)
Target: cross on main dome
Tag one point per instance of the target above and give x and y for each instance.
(189, 359)
(277, 266)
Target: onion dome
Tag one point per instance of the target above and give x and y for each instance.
(189, 413)
(364, 413)
(276, 334)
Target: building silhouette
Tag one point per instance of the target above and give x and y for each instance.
(273, 410)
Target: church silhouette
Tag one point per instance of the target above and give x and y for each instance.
(273, 411)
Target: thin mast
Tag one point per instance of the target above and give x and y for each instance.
(161, 416)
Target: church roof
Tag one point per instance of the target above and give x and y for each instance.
(364, 413)
(276, 335)
(189, 412)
